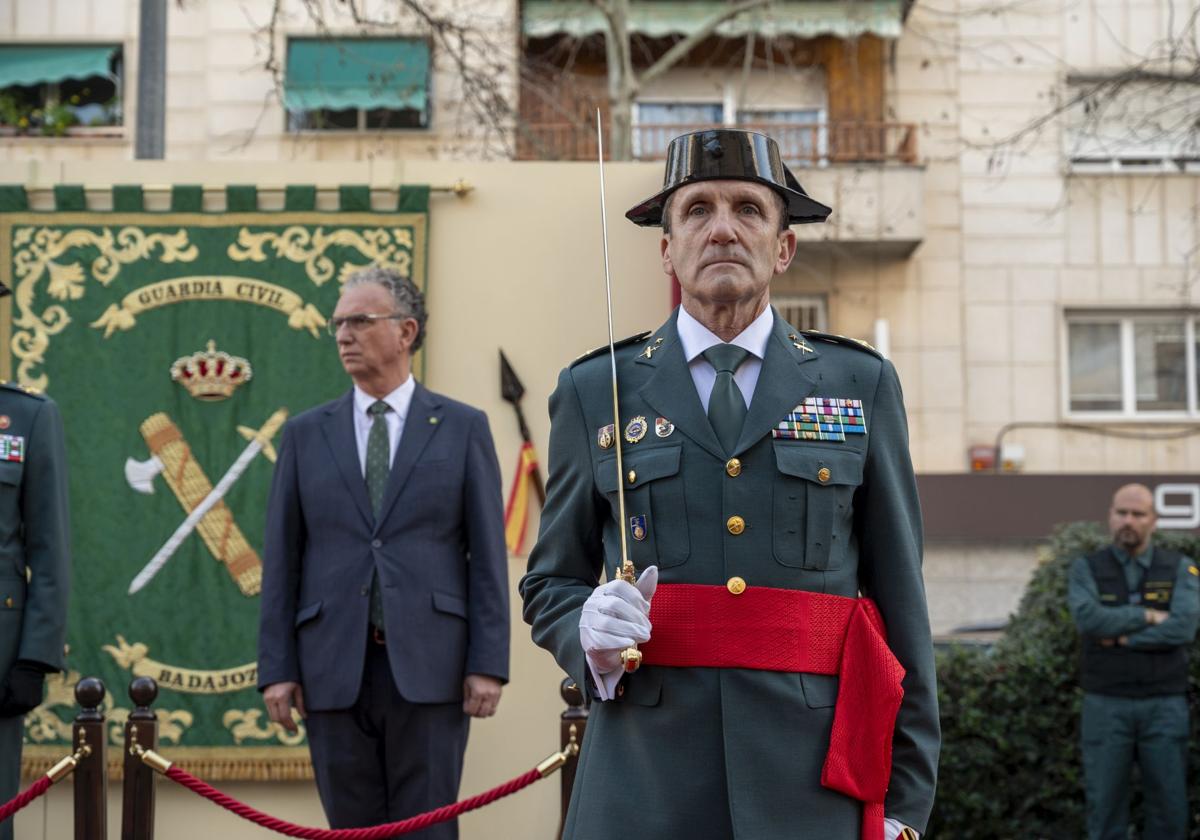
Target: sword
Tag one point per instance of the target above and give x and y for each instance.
(260, 440)
(631, 657)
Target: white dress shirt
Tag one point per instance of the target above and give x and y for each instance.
(696, 338)
(399, 400)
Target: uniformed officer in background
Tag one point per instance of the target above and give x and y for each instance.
(34, 565)
(767, 482)
(1136, 607)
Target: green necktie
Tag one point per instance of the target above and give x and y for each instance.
(379, 465)
(726, 407)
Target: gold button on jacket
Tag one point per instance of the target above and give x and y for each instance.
(733, 467)
(632, 476)
(736, 585)
(823, 475)
(735, 524)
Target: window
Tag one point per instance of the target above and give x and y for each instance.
(1132, 365)
(55, 90)
(1132, 126)
(805, 312)
(800, 132)
(357, 84)
(657, 123)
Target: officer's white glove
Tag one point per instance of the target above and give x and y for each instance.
(615, 616)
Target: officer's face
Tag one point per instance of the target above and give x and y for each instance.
(376, 349)
(1131, 519)
(725, 244)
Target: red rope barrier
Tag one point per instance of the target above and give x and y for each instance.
(25, 797)
(377, 832)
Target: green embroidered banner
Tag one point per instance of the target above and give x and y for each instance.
(176, 344)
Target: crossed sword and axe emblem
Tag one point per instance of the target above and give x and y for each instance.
(171, 457)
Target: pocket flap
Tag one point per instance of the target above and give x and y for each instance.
(818, 464)
(645, 466)
(447, 603)
(10, 472)
(820, 690)
(307, 613)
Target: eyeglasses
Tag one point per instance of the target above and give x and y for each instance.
(358, 323)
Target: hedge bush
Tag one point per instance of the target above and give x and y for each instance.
(1010, 763)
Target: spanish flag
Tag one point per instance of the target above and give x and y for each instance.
(516, 515)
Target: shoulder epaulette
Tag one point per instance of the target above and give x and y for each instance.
(834, 338)
(23, 389)
(603, 348)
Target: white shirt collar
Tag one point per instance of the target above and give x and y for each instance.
(399, 400)
(696, 338)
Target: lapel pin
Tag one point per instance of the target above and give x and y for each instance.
(636, 430)
(606, 436)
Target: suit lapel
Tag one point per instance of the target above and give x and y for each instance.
(671, 391)
(782, 384)
(339, 435)
(423, 420)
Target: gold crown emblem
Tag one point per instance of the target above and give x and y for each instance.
(211, 374)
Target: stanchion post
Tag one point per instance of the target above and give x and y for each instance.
(571, 726)
(91, 775)
(137, 795)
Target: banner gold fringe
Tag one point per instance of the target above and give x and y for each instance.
(278, 764)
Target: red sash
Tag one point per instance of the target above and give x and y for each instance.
(804, 632)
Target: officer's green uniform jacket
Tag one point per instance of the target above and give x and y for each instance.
(707, 753)
(34, 533)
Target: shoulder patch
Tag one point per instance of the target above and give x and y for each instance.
(633, 339)
(23, 389)
(834, 338)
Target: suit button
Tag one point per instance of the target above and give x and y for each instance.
(366, 590)
(620, 691)
(823, 475)
(736, 585)
(376, 543)
(735, 524)
(8, 602)
(632, 476)
(733, 467)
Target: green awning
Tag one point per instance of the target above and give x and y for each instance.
(356, 73)
(809, 19)
(39, 65)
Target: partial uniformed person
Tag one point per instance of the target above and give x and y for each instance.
(767, 485)
(1136, 606)
(34, 565)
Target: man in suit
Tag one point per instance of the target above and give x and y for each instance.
(384, 605)
(767, 483)
(1136, 606)
(35, 565)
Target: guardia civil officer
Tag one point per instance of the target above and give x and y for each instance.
(34, 565)
(1136, 606)
(767, 484)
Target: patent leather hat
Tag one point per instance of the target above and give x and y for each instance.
(722, 154)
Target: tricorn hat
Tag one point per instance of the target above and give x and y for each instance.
(729, 154)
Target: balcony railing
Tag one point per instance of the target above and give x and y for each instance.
(812, 144)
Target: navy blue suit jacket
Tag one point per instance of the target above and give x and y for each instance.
(438, 548)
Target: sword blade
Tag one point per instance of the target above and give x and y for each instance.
(208, 502)
(627, 571)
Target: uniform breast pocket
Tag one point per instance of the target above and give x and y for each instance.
(813, 503)
(10, 476)
(654, 502)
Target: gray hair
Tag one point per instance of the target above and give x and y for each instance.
(407, 297)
